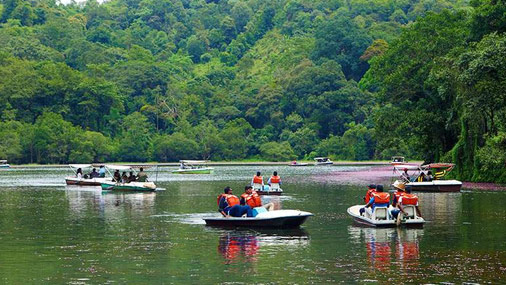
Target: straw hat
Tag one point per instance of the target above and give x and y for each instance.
(399, 185)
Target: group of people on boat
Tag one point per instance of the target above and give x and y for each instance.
(376, 197)
(124, 178)
(424, 176)
(249, 203)
(92, 174)
(257, 182)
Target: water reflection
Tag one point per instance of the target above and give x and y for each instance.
(385, 247)
(244, 245)
(81, 200)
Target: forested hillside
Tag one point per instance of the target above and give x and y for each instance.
(162, 80)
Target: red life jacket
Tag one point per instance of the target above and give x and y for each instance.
(368, 195)
(253, 200)
(409, 199)
(381, 197)
(275, 179)
(232, 200)
(258, 179)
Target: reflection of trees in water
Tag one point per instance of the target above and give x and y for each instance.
(244, 245)
(385, 247)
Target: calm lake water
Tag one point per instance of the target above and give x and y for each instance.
(50, 232)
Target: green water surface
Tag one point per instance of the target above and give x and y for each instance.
(52, 233)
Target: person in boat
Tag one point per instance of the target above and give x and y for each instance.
(258, 180)
(378, 199)
(405, 176)
(421, 177)
(124, 177)
(182, 165)
(116, 177)
(79, 173)
(252, 199)
(274, 179)
(142, 176)
(400, 188)
(94, 173)
(409, 199)
(229, 205)
(370, 189)
(131, 177)
(429, 176)
(101, 171)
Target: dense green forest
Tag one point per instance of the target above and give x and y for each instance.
(162, 80)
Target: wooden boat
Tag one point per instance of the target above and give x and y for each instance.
(4, 164)
(193, 167)
(381, 217)
(422, 183)
(84, 181)
(323, 161)
(271, 219)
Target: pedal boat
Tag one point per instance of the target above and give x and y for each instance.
(271, 219)
(381, 217)
(272, 190)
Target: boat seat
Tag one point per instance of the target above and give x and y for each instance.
(257, 186)
(275, 187)
(380, 213)
(410, 211)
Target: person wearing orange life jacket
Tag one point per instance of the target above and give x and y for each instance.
(370, 189)
(378, 199)
(400, 187)
(229, 205)
(274, 179)
(258, 181)
(252, 199)
(409, 199)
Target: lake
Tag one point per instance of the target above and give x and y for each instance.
(54, 233)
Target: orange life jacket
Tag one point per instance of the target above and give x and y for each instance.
(381, 197)
(409, 199)
(253, 200)
(369, 194)
(258, 179)
(232, 200)
(275, 179)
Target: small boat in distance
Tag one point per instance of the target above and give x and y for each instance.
(381, 217)
(4, 164)
(193, 167)
(323, 161)
(268, 219)
(398, 160)
(85, 179)
(295, 163)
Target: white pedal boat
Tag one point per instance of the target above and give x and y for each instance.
(381, 217)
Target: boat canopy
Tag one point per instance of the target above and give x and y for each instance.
(193, 161)
(3, 161)
(80, 165)
(407, 166)
(118, 167)
(397, 158)
(321, 158)
(438, 165)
